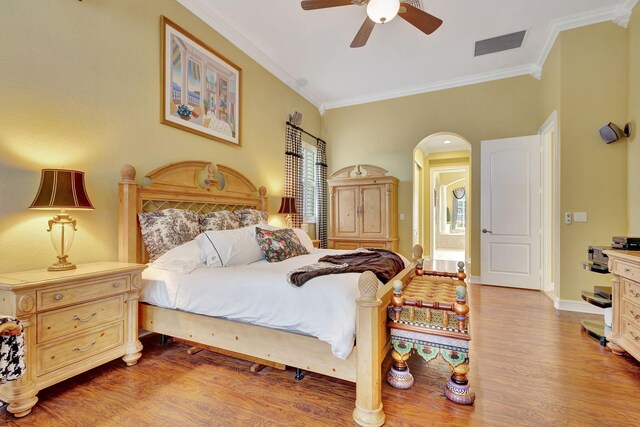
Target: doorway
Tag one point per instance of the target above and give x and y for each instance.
(441, 220)
(449, 186)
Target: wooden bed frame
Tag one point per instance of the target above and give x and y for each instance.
(201, 187)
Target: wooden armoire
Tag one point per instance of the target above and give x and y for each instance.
(364, 208)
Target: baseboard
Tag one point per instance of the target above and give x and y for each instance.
(576, 305)
(474, 279)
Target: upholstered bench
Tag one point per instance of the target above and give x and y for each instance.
(429, 316)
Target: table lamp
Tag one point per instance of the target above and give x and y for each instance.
(61, 189)
(288, 207)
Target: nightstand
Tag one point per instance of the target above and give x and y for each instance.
(316, 243)
(73, 321)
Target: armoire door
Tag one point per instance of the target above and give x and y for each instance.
(346, 220)
(373, 210)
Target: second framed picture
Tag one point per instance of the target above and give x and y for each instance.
(200, 88)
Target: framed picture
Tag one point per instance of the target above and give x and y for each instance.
(200, 87)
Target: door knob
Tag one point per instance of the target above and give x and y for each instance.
(484, 230)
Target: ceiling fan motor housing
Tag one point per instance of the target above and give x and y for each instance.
(382, 11)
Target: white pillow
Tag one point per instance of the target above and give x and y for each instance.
(225, 248)
(183, 259)
(304, 239)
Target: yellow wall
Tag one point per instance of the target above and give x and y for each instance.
(633, 115)
(593, 175)
(385, 133)
(80, 89)
(551, 83)
(419, 194)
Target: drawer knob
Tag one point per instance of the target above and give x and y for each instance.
(116, 285)
(626, 270)
(82, 350)
(57, 297)
(634, 336)
(75, 317)
(636, 295)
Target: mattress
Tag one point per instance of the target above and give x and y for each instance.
(258, 293)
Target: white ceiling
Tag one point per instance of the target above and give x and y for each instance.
(309, 50)
(438, 143)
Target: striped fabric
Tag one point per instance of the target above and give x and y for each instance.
(321, 193)
(293, 171)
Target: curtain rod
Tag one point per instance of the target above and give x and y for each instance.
(304, 131)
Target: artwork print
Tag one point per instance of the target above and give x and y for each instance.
(201, 88)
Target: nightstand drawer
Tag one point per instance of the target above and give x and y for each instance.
(78, 318)
(631, 291)
(631, 311)
(52, 357)
(626, 270)
(62, 296)
(631, 332)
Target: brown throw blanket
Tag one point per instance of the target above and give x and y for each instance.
(384, 264)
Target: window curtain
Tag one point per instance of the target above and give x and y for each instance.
(293, 171)
(321, 193)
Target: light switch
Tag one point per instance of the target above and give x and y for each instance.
(580, 216)
(401, 217)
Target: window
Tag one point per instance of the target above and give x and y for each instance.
(308, 183)
(459, 207)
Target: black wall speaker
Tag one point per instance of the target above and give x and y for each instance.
(611, 133)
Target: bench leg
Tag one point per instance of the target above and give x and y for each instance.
(399, 375)
(457, 388)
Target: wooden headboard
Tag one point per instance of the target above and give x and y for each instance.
(194, 185)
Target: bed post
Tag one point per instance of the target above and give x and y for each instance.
(416, 253)
(368, 411)
(262, 192)
(127, 222)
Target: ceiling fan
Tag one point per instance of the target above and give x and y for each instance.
(379, 12)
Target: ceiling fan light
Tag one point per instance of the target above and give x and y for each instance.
(382, 11)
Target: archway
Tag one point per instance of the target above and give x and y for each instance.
(442, 219)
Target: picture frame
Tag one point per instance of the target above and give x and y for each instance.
(200, 89)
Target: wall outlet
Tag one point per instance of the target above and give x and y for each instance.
(580, 216)
(567, 218)
(401, 217)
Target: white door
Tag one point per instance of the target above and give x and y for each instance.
(510, 212)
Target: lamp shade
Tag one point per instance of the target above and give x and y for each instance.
(61, 189)
(288, 206)
(382, 11)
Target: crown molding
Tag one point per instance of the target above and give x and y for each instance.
(203, 11)
(432, 87)
(619, 14)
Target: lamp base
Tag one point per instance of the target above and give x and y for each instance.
(62, 266)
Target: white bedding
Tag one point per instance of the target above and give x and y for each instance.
(258, 293)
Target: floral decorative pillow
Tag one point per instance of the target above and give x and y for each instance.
(251, 217)
(278, 245)
(221, 220)
(165, 229)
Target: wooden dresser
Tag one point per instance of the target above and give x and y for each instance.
(625, 326)
(364, 208)
(73, 321)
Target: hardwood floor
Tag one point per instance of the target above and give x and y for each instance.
(530, 365)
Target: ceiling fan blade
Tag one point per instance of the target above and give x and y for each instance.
(419, 18)
(363, 33)
(321, 4)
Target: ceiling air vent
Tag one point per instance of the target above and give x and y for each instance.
(500, 43)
